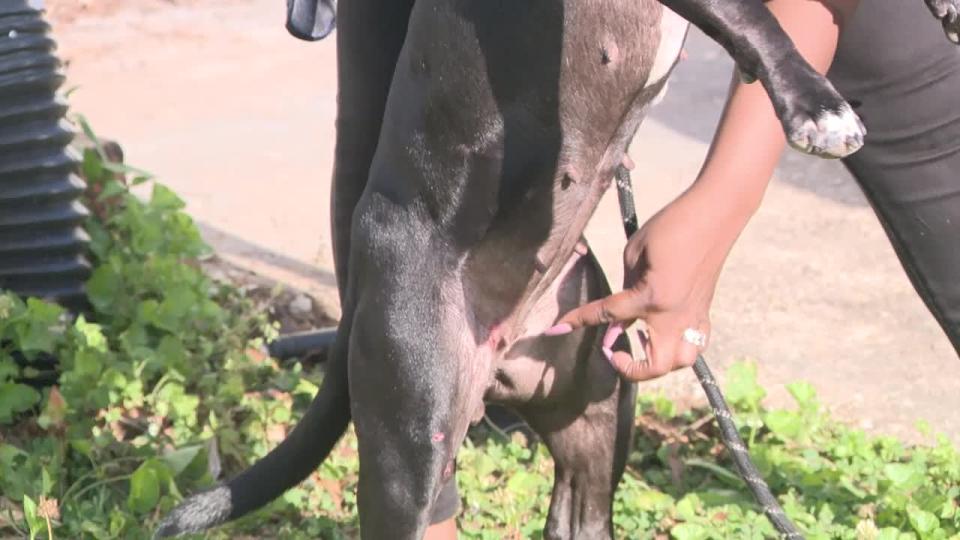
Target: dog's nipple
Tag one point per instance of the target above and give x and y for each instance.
(570, 176)
(609, 53)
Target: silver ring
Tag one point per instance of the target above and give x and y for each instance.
(695, 337)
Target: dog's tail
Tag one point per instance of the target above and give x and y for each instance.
(287, 465)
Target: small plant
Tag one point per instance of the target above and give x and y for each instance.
(162, 388)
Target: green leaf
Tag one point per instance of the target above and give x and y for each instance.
(39, 330)
(88, 363)
(8, 368)
(88, 131)
(522, 482)
(721, 472)
(165, 199)
(103, 287)
(741, 386)
(144, 489)
(689, 531)
(91, 335)
(181, 458)
(140, 175)
(174, 308)
(14, 399)
(92, 166)
(10, 305)
(892, 533)
(785, 424)
(111, 188)
(922, 521)
(904, 476)
(687, 507)
(34, 522)
(649, 500)
(803, 393)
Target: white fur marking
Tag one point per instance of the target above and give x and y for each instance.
(673, 30)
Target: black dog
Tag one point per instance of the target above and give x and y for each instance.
(475, 139)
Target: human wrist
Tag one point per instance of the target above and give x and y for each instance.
(723, 212)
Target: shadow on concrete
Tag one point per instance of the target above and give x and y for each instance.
(692, 107)
(227, 243)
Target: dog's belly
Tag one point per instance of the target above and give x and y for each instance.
(504, 125)
(537, 368)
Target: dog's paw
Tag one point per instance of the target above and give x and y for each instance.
(948, 12)
(831, 133)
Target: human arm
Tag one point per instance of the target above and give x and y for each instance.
(672, 264)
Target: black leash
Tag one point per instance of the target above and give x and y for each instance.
(728, 429)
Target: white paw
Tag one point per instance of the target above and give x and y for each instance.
(948, 11)
(831, 134)
(951, 25)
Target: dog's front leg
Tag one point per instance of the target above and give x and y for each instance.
(408, 363)
(370, 34)
(815, 118)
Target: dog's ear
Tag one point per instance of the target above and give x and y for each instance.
(311, 20)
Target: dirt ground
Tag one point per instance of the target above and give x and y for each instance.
(238, 117)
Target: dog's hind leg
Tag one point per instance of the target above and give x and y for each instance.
(568, 392)
(815, 118)
(589, 439)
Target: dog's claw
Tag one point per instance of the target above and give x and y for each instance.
(831, 133)
(951, 27)
(948, 12)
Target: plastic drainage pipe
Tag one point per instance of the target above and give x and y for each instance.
(301, 343)
(42, 243)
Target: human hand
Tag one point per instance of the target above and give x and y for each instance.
(671, 267)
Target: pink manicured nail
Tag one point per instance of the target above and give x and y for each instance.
(558, 330)
(608, 352)
(613, 332)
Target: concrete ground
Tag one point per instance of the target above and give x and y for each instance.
(236, 116)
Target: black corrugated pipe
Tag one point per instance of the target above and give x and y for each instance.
(302, 343)
(42, 243)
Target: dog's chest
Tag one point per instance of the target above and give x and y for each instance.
(673, 32)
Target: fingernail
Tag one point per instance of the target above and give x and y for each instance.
(608, 352)
(558, 330)
(613, 332)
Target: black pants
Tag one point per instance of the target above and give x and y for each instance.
(895, 61)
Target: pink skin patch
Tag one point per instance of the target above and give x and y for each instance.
(438, 437)
(609, 338)
(448, 470)
(613, 332)
(495, 338)
(558, 330)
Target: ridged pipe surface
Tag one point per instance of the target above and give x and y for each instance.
(42, 243)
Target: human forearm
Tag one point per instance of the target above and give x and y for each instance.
(671, 265)
(749, 138)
